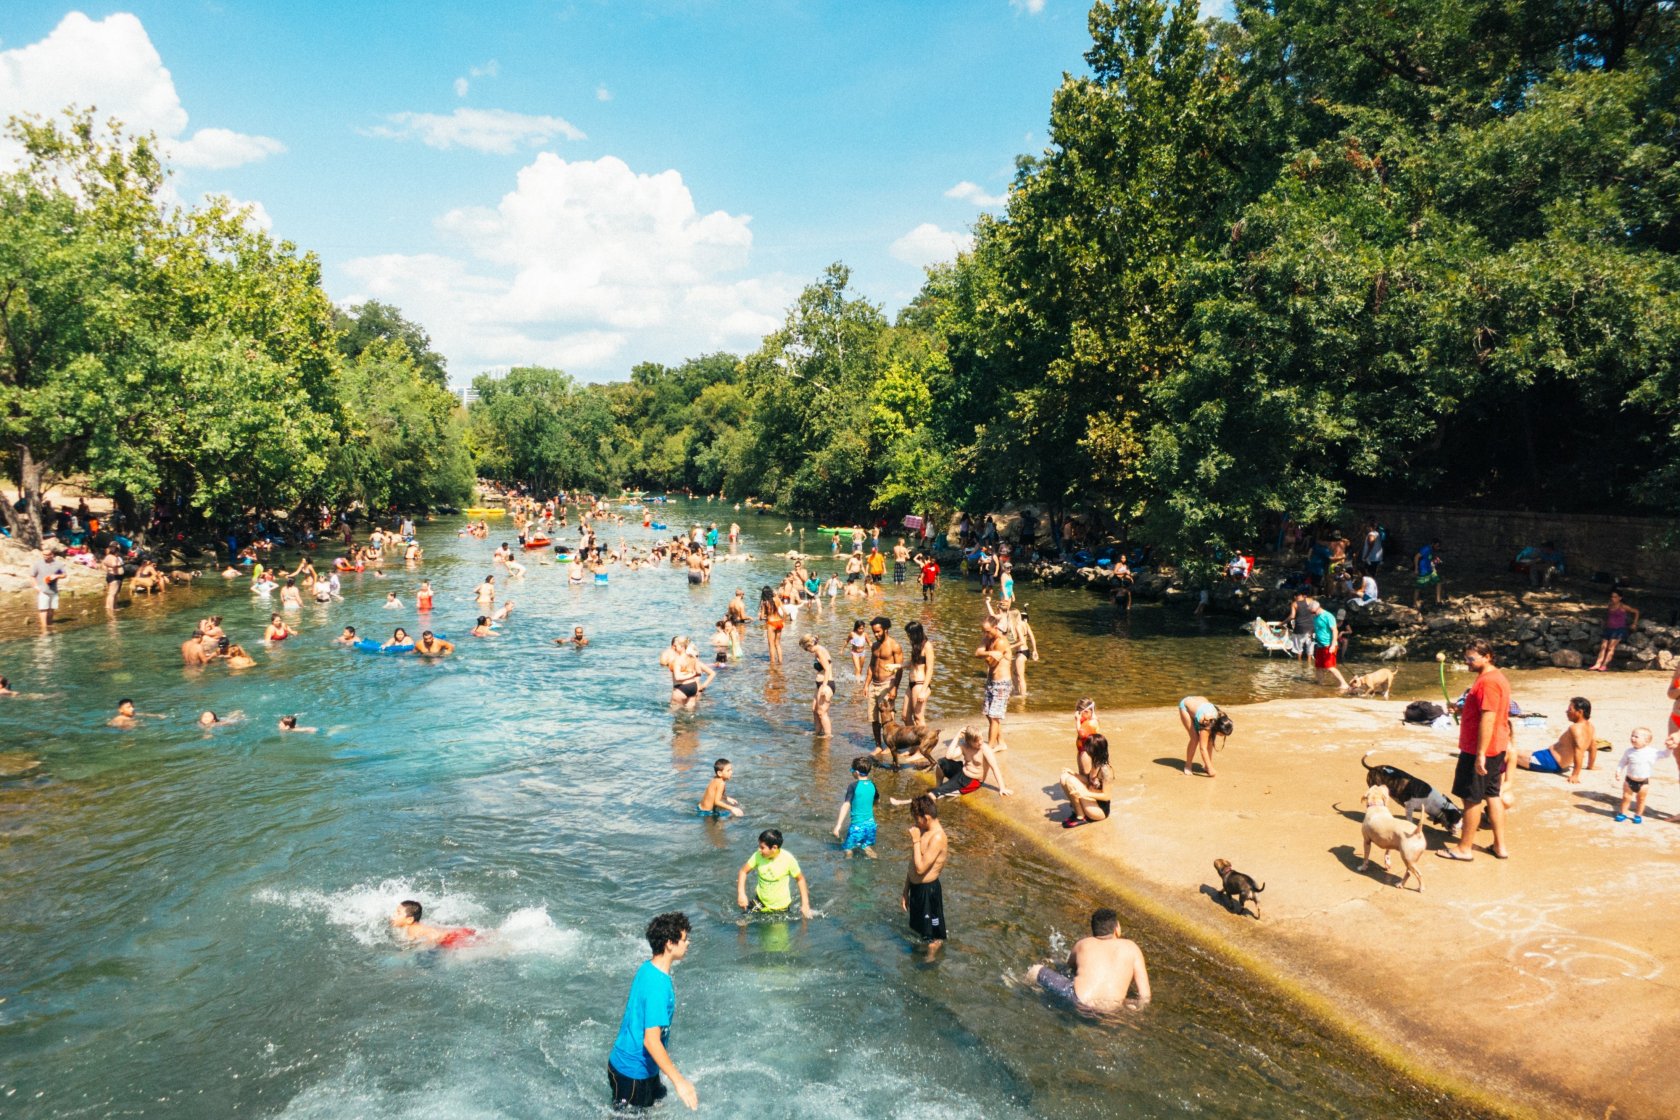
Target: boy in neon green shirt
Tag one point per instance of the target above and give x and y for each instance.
(774, 868)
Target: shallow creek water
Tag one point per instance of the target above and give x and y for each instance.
(195, 924)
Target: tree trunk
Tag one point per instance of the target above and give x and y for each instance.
(25, 524)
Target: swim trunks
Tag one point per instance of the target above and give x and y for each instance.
(955, 780)
(713, 813)
(634, 1092)
(860, 836)
(458, 938)
(1056, 983)
(997, 698)
(1429, 580)
(926, 905)
(1324, 657)
(1545, 762)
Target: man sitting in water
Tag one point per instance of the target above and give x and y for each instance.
(1575, 747)
(406, 921)
(430, 645)
(127, 717)
(1100, 971)
(577, 639)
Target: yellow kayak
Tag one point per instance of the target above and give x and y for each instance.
(486, 511)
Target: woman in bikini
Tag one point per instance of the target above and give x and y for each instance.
(114, 568)
(1087, 792)
(1203, 722)
(823, 665)
(921, 673)
(277, 630)
(858, 644)
(686, 671)
(770, 612)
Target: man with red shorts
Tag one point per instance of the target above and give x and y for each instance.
(1484, 733)
(1325, 642)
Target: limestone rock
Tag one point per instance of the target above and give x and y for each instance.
(1566, 659)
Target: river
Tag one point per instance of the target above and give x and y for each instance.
(195, 923)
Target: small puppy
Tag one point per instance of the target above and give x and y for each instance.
(1415, 793)
(916, 740)
(1380, 828)
(1369, 684)
(1238, 889)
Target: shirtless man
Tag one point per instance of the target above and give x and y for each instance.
(736, 612)
(196, 650)
(901, 557)
(963, 766)
(1577, 745)
(923, 898)
(886, 666)
(577, 639)
(430, 645)
(127, 717)
(1101, 970)
(406, 921)
(996, 653)
(486, 593)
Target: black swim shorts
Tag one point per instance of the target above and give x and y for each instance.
(1471, 787)
(1636, 784)
(634, 1092)
(927, 910)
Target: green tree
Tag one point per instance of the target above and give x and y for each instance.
(366, 323)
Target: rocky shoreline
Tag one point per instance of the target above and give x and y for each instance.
(1527, 628)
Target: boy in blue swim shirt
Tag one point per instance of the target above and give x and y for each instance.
(859, 804)
(639, 1055)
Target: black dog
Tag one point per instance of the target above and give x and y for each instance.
(1238, 888)
(1414, 793)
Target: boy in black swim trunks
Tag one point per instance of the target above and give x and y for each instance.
(924, 899)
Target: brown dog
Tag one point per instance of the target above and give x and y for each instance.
(897, 738)
(1369, 684)
(1238, 889)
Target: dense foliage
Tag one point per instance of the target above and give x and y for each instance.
(183, 361)
(1396, 249)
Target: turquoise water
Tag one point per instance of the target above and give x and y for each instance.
(195, 923)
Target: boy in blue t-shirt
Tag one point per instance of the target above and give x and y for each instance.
(859, 802)
(639, 1055)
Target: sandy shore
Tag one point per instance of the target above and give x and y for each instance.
(1544, 982)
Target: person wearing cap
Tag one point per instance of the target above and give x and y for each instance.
(47, 570)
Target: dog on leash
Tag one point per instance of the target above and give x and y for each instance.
(916, 739)
(1238, 889)
(1382, 829)
(1414, 793)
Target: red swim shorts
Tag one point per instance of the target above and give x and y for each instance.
(1325, 657)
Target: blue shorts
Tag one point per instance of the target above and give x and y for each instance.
(860, 835)
(713, 813)
(1545, 762)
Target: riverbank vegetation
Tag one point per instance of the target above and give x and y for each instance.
(1322, 252)
(1386, 250)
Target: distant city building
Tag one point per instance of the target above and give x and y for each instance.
(469, 397)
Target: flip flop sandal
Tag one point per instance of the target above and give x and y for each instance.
(1448, 853)
(1074, 822)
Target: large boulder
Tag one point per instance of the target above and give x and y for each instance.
(1566, 659)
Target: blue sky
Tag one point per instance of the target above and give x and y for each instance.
(586, 184)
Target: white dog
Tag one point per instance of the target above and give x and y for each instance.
(1382, 829)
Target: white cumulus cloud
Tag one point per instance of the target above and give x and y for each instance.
(966, 191)
(585, 264)
(488, 70)
(496, 131)
(110, 65)
(1031, 7)
(461, 87)
(928, 244)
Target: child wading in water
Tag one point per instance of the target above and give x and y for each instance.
(716, 802)
(1635, 770)
(859, 804)
(774, 868)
